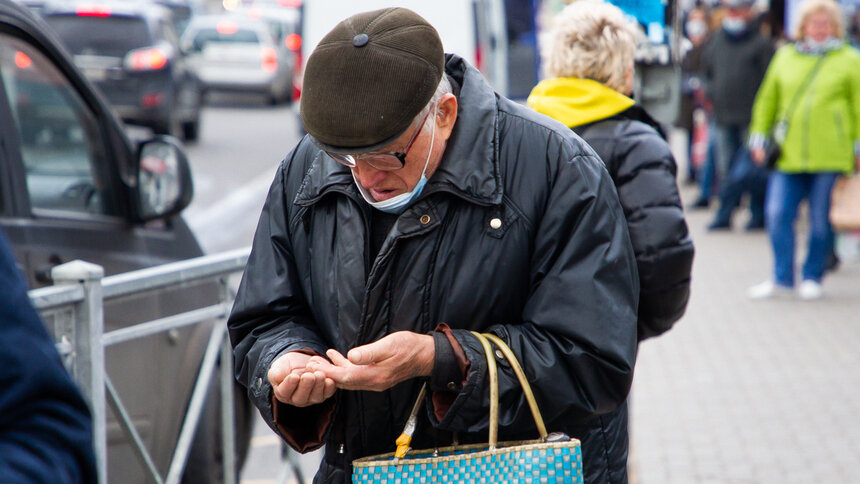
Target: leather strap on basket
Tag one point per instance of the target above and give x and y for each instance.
(485, 340)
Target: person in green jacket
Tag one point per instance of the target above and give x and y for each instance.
(815, 84)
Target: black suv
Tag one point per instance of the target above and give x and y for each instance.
(131, 52)
(73, 186)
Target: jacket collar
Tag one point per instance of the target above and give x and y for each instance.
(470, 165)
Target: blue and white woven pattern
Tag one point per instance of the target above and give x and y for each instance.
(540, 463)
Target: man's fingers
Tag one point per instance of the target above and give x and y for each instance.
(337, 358)
(303, 391)
(329, 388)
(284, 391)
(318, 391)
(374, 352)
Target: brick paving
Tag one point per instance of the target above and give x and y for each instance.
(745, 391)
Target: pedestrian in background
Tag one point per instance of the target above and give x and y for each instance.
(734, 62)
(45, 427)
(820, 73)
(589, 57)
(695, 116)
(421, 197)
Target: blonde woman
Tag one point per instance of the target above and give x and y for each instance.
(589, 57)
(811, 92)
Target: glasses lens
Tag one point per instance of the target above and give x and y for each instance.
(383, 162)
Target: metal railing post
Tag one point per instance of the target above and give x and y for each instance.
(228, 418)
(88, 364)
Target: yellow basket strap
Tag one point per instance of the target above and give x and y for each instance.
(524, 383)
(494, 390)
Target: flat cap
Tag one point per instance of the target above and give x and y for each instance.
(368, 78)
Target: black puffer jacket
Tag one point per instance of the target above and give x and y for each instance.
(638, 158)
(557, 281)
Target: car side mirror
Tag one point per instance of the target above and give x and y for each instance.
(164, 184)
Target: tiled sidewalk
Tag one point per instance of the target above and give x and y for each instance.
(745, 391)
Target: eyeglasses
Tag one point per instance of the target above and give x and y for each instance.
(389, 161)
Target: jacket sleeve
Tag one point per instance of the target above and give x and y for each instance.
(45, 426)
(645, 180)
(576, 337)
(270, 317)
(854, 98)
(767, 100)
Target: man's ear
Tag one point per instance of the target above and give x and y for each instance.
(446, 114)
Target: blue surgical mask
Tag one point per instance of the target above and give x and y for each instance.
(397, 205)
(734, 25)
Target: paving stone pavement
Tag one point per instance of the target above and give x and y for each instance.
(743, 391)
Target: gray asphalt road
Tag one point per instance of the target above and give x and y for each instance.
(242, 142)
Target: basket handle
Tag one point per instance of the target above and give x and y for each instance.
(492, 369)
(405, 439)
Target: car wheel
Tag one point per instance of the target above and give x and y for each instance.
(191, 130)
(205, 459)
(171, 127)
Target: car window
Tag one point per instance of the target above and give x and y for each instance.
(222, 34)
(111, 35)
(60, 144)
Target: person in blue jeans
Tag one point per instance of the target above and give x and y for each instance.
(821, 141)
(744, 176)
(786, 192)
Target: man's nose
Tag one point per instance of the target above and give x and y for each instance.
(367, 175)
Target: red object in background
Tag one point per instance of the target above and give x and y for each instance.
(22, 60)
(700, 138)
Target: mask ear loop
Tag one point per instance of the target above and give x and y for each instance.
(432, 139)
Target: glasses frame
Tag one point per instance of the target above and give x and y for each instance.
(350, 160)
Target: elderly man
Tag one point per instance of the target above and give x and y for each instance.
(420, 206)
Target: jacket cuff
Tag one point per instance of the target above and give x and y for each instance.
(261, 393)
(457, 412)
(756, 141)
(450, 368)
(304, 428)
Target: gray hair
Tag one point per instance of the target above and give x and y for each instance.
(443, 88)
(591, 40)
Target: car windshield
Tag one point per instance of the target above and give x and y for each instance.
(110, 36)
(213, 35)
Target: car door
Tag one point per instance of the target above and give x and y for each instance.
(65, 197)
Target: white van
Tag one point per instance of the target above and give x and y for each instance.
(473, 29)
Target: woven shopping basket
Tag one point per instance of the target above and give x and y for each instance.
(554, 458)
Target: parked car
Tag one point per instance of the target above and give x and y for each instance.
(130, 51)
(237, 53)
(285, 24)
(72, 186)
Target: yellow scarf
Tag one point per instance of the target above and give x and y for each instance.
(575, 102)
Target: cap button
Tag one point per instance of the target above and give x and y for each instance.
(360, 40)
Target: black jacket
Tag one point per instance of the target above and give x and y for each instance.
(557, 281)
(45, 426)
(638, 158)
(732, 70)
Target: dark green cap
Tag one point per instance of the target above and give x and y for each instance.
(368, 78)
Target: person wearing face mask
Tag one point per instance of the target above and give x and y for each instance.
(695, 110)
(422, 205)
(733, 65)
(812, 91)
